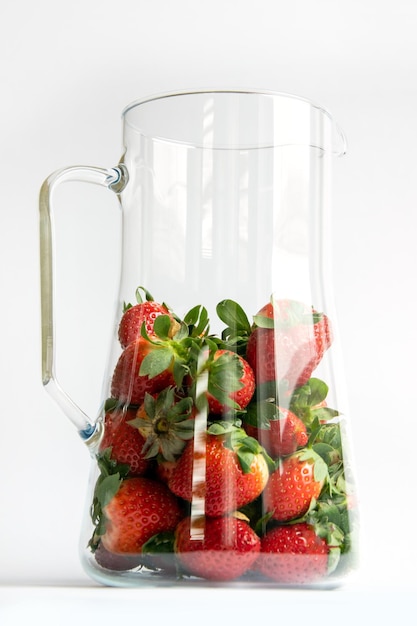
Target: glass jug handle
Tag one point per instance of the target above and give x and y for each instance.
(114, 179)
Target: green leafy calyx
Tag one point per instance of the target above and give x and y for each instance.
(166, 422)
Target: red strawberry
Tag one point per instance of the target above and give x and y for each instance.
(292, 487)
(232, 382)
(116, 562)
(133, 318)
(165, 470)
(293, 554)
(220, 548)
(127, 384)
(140, 509)
(288, 342)
(282, 435)
(125, 441)
(226, 473)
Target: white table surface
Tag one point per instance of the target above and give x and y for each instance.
(88, 603)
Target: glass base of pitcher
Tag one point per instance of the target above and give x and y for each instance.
(142, 576)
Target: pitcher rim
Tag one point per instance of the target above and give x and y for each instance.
(242, 91)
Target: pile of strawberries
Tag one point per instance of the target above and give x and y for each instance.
(220, 458)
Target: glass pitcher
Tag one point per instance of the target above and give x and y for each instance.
(220, 446)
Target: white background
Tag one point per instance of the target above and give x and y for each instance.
(67, 71)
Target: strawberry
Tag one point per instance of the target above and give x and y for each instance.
(140, 509)
(128, 384)
(298, 480)
(281, 434)
(228, 472)
(125, 441)
(165, 470)
(133, 318)
(232, 379)
(144, 312)
(116, 562)
(293, 554)
(220, 548)
(287, 342)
